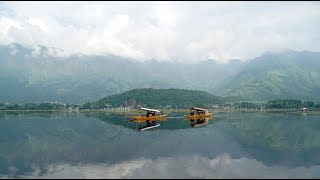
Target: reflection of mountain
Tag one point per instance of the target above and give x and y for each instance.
(276, 138)
(273, 138)
(40, 139)
(29, 139)
(168, 123)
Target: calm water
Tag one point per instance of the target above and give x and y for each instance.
(105, 145)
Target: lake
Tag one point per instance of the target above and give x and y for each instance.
(105, 145)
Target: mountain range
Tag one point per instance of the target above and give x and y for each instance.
(43, 74)
(286, 75)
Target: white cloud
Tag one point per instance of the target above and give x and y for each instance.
(191, 31)
(221, 167)
(6, 25)
(39, 23)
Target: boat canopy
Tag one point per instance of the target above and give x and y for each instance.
(147, 109)
(198, 109)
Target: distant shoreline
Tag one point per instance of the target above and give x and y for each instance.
(164, 110)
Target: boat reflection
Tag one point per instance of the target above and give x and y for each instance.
(197, 122)
(148, 124)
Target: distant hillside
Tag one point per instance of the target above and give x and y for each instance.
(39, 74)
(36, 74)
(156, 98)
(286, 75)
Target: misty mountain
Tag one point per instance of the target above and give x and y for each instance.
(285, 75)
(42, 74)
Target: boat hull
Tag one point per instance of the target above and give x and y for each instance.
(199, 116)
(151, 118)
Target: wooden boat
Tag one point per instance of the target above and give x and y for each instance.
(149, 118)
(151, 115)
(196, 116)
(196, 113)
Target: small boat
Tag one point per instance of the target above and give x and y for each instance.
(152, 115)
(198, 113)
(150, 118)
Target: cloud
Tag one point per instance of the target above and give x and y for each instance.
(191, 31)
(221, 166)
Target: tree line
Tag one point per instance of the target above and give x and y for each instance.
(274, 104)
(279, 104)
(36, 106)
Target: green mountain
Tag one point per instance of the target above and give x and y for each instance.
(38, 74)
(160, 98)
(286, 75)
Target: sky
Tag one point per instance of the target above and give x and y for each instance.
(189, 31)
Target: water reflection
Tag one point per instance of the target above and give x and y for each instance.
(199, 122)
(273, 144)
(145, 124)
(195, 166)
(167, 123)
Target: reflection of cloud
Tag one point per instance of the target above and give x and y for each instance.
(222, 166)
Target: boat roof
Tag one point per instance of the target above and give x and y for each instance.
(198, 109)
(147, 109)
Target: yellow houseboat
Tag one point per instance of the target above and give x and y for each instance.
(198, 113)
(151, 116)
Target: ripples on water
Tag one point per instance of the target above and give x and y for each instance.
(104, 145)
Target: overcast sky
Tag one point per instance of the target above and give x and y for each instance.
(184, 31)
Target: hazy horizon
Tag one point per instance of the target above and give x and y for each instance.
(58, 52)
